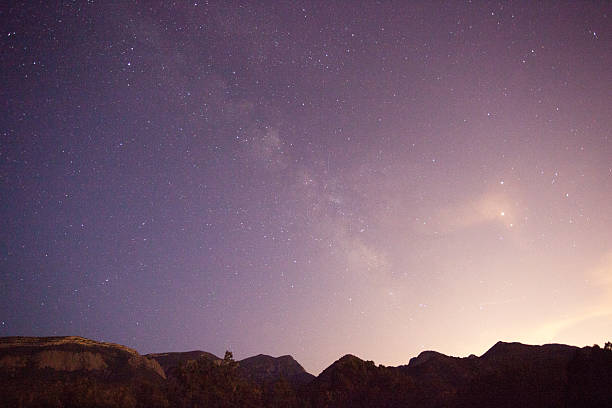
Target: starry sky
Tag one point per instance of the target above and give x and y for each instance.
(305, 177)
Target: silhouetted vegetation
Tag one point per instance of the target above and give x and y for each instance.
(80, 391)
(508, 375)
(203, 383)
(206, 383)
(352, 382)
(590, 378)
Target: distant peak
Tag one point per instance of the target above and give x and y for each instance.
(286, 357)
(349, 357)
(515, 349)
(507, 343)
(502, 347)
(423, 357)
(262, 368)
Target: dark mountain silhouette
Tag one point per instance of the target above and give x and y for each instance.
(529, 376)
(77, 372)
(263, 369)
(352, 382)
(174, 359)
(508, 375)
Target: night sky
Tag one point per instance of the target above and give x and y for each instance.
(307, 178)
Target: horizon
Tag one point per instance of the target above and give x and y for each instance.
(379, 178)
(364, 358)
(238, 359)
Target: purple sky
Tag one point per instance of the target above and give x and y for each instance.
(307, 178)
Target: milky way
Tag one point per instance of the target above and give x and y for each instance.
(307, 178)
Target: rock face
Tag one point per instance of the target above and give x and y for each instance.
(72, 354)
(77, 372)
(74, 371)
(263, 369)
(173, 359)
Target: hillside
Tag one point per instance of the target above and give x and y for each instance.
(174, 359)
(264, 369)
(78, 372)
(74, 371)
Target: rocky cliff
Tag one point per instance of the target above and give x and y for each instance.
(72, 354)
(77, 372)
(74, 371)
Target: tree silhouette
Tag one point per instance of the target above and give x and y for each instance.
(608, 346)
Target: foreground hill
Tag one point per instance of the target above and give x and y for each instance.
(264, 369)
(261, 369)
(74, 371)
(77, 372)
(174, 359)
(508, 375)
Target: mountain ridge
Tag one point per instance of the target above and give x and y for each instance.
(76, 371)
